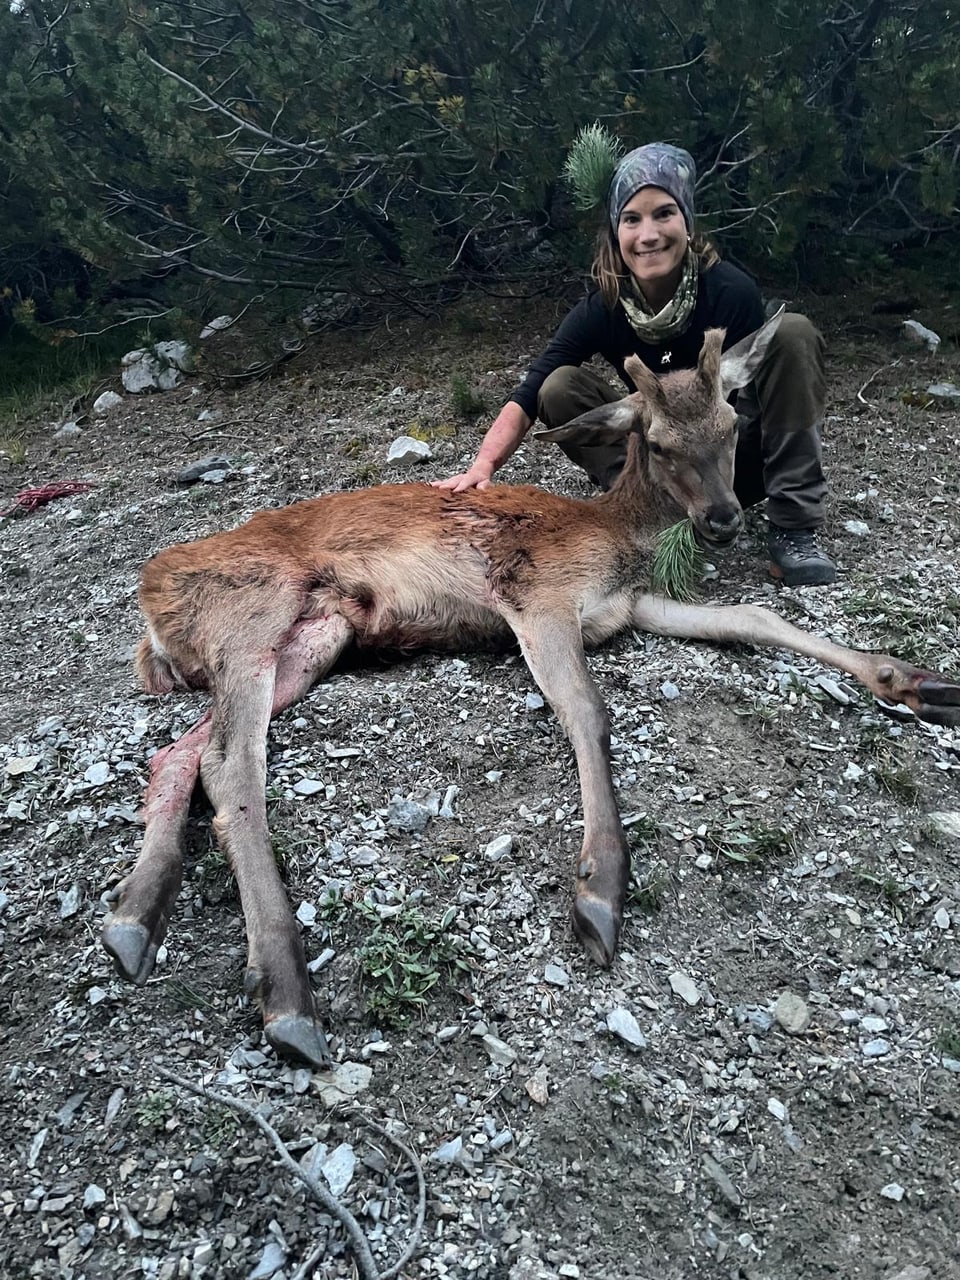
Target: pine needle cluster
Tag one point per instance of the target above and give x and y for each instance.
(590, 165)
(677, 562)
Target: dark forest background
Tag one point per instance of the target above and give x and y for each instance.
(178, 160)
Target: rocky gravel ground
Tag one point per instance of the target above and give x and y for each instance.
(766, 1086)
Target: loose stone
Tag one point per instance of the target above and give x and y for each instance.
(721, 1178)
(873, 1024)
(622, 1023)
(499, 1051)
(499, 848)
(271, 1260)
(791, 1013)
(338, 1168)
(407, 450)
(685, 987)
(308, 786)
(449, 1152)
(536, 1087)
(94, 1196)
(876, 1048)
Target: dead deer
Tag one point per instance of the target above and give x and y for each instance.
(257, 615)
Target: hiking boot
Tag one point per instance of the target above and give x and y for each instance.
(797, 559)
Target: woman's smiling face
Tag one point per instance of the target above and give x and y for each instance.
(652, 236)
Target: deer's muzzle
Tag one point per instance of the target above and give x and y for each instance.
(719, 528)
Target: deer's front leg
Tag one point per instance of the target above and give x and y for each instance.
(132, 934)
(930, 696)
(553, 649)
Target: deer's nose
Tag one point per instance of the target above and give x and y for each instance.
(725, 525)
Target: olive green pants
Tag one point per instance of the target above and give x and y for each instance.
(779, 455)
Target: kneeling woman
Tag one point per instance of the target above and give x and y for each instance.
(660, 287)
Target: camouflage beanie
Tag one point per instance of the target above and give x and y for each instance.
(658, 164)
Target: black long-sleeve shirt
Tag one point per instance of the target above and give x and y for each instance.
(727, 298)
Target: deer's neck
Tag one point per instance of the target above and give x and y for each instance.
(636, 499)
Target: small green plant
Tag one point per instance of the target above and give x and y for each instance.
(875, 740)
(465, 400)
(930, 831)
(281, 847)
(14, 449)
(403, 959)
(888, 887)
(754, 843)
(219, 1128)
(765, 714)
(948, 1040)
(897, 781)
(890, 771)
(153, 1111)
(435, 431)
(677, 562)
(642, 830)
(332, 906)
(646, 892)
(185, 996)
(368, 473)
(211, 866)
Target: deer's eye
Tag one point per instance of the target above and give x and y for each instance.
(656, 449)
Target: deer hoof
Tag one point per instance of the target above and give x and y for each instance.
(132, 948)
(298, 1038)
(597, 925)
(909, 691)
(940, 700)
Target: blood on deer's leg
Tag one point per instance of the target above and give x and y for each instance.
(553, 649)
(134, 931)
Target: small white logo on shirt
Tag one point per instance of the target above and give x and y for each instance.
(665, 358)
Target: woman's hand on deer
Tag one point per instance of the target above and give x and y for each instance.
(478, 476)
(501, 442)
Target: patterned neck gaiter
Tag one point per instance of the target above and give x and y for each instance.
(662, 325)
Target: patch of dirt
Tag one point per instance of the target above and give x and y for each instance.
(784, 843)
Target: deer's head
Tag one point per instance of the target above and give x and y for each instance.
(686, 429)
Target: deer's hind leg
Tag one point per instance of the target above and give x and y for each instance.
(250, 690)
(132, 934)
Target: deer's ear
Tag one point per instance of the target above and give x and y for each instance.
(740, 363)
(708, 364)
(605, 425)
